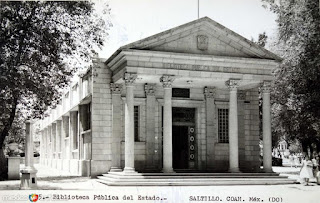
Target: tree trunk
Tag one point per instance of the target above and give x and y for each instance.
(3, 166)
(8, 124)
(311, 150)
(3, 135)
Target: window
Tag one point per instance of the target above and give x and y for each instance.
(223, 125)
(88, 116)
(74, 125)
(86, 85)
(85, 119)
(181, 92)
(136, 123)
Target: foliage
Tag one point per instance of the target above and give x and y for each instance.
(42, 43)
(296, 92)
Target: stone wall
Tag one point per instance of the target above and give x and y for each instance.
(101, 119)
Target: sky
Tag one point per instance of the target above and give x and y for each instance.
(136, 19)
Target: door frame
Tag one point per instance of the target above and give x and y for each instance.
(199, 106)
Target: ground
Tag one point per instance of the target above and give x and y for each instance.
(52, 183)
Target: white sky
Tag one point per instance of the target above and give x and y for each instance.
(136, 19)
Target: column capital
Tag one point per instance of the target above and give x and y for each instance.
(265, 86)
(209, 92)
(241, 95)
(150, 89)
(167, 81)
(232, 84)
(129, 78)
(115, 88)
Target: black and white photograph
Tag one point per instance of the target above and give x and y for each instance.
(160, 101)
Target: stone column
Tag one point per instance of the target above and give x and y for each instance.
(167, 124)
(129, 79)
(28, 178)
(233, 126)
(150, 128)
(116, 127)
(209, 93)
(266, 128)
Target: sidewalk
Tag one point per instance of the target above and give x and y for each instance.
(53, 179)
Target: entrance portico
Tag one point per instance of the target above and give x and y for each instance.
(190, 57)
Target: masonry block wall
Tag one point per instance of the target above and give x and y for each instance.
(251, 131)
(101, 119)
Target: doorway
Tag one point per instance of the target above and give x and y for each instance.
(183, 138)
(180, 147)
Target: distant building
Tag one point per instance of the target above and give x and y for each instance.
(186, 99)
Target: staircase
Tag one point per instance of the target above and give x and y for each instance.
(191, 179)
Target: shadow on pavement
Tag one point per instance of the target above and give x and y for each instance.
(64, 179)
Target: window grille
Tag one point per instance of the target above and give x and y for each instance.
(223, 125)
(136, 123)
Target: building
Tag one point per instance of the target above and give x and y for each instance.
(186, 99)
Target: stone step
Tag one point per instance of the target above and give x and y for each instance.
(193, 174)
(117, 176)
(190, 182)
(183, 179)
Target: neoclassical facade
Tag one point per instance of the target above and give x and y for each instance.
(186, 99)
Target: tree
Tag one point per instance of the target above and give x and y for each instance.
(41, 45)
(296, 90)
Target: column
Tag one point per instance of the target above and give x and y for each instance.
(233, 126)
(266, 127)
(167, 124)
(150, 128)
(209, 93)
(116, 127)
(28, 177)
(129, 79)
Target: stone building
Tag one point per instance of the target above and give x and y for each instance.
(186, 99)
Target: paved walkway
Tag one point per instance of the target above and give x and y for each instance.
(53, 179)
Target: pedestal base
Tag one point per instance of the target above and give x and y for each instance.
(14, 168)
(166, 170)
(234, 170)
(267, 170)
(28, 178)
(129, 170)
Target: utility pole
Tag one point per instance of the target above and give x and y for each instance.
(198, 8)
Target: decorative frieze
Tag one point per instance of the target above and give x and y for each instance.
(115, 88)
(167, 81)
(209, 92)
(232, 84)
(149, 89)
(129, 78)
(265, 86)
